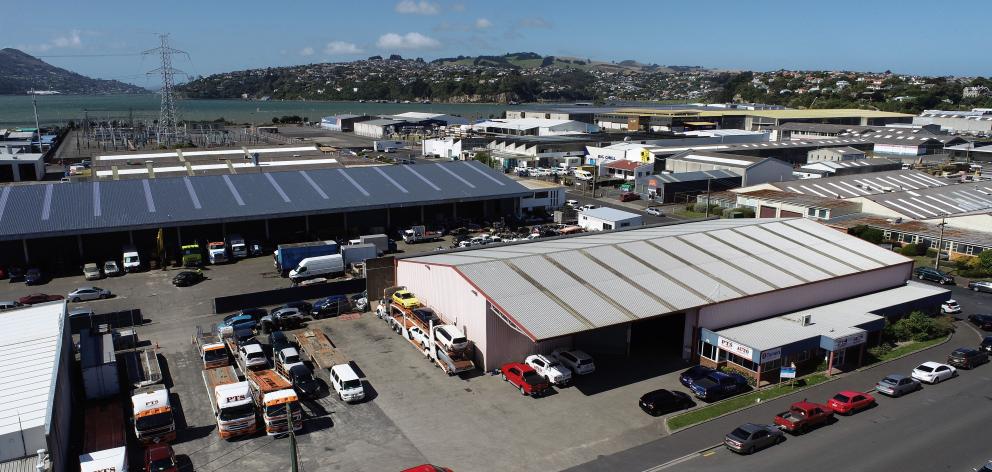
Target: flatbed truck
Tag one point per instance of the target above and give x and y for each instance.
(274, 395)
(211, 348)
(317, 347)
(231, 402)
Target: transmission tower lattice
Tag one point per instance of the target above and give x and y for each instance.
(169, 132)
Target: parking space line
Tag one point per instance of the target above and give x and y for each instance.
(688, 457)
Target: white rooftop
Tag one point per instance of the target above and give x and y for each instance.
(609, 214)
(523, 123)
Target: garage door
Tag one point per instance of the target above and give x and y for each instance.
(766, 212)
(790, 214)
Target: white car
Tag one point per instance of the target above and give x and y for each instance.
(572, 203)
(587, 207)
(87, 293)
(252, 356)
(419, 336)
(580, 362)
(950, 307)
(933, 372)
(654, 211)
(550, 369)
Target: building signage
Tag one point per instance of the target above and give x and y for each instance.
(788, 373)
(646, 156)
(769, 355)
(850, 340)
(735, 348)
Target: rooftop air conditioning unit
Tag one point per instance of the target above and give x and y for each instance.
(806, 320)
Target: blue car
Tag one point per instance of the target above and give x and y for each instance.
(717, 385)
(693, 374)
(238, 321)
(330, 306)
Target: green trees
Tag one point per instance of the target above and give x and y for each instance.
(918, 326)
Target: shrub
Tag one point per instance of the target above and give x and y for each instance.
(985, 260)
(734, 370)
(880, 351)
(908, 250)
(918, 326)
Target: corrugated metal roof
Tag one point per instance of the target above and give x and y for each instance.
(833, 320)
(859, 185)
(24, 464)
(31, 211)
(695, 176)
(28, 353)
(934, 202)
(558, 287)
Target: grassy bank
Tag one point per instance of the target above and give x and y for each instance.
(902, 350)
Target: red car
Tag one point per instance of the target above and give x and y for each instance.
(427, 468)
(848, 402)
(38, 298)
(629, 197)
(525, 378)
(160, 458)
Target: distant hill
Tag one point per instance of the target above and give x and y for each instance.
(531, 60)
(21, 72)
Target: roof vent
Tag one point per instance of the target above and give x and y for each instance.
(806, 320)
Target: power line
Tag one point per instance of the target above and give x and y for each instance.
(91, 55)
(168, 122)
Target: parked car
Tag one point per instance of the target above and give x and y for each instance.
(982, 321)
(427, 468)
(572, 203)
(950, 307)
(524, 378)
(897, 385)
(405, 299)
(985, 468)
(848, 402)
(550, 369)
(81, 312)
(237, 319)
(278, 341)
(38, 298)
(933, 372)
(654, 211)
(579, 362)
(34, 276)
(254, 313)
(8, 305)
(588, 207)
(15, 274)
(330, 306)
(986, 344)
(933, 275)
(91, 271)
(804, 416)
(111, 269)
(160, 458)
(629, 197)
(694, 373)
(750, 437)
(88, 293)
(659, 402)
(284, 318)
(418, 336)
(360, 302)
(718, 385)
(303, 380)
(967, 358)
(187, 278)
(302, 305)
(980, 286)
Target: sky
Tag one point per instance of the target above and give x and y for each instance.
(104, 39)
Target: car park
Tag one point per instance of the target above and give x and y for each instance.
(897, 385)
(82, 294)
(655, 211)
(950, 307)
(34, 276)
(15, 274)
(579, 362)
(848, 402)
(967, 358)
(91, 271)
(659, 402)
(111, 269)
(9, 305)
(38, 298)
(694, 373)
(750, 437)
(933, 275)
(981, 321)
(333, 305)
(980, 286)
(717, 385)
(933, 372)
(526, 379)
(187, 278)
(550, 369)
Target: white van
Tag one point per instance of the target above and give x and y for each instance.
(346, 382)
(317, 266)
(582, 174)
(132, 262)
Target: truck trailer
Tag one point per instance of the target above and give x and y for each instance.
(432, 336)
(231, 402)
(104, 439)
(317, 347)
(287, 257)
(99, 364)
(273, 395)
(143, 367)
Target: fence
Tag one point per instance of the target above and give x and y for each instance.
(289, 294)
(115, 319)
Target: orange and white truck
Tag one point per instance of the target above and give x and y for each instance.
(273, 396)
(104, 440)
(231, 401)
(211, 348)
(152, 415)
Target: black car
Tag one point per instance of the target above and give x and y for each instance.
(303, 306)
(255, 249)
(693, 374)
(933, 275)
(333, 305)
(986, 344)
(982, 321)
(34, 276)
(15, 274)
(304, 381)
(659, 402)
(187, 278)
(967, 358)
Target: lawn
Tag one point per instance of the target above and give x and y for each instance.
(903, 349)
(691, 214)
(735, 403)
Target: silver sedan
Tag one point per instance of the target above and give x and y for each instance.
(88, 293)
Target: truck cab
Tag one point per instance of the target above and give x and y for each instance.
(235, 409)
(239, 250)
(191, 255)
(217, 252)
(160, 458)
(131, 259)
(153, 421)
(274, 396)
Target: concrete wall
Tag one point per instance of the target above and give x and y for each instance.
(769, 304)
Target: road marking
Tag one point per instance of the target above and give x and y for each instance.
(685, 458)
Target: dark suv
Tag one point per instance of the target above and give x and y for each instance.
(981, 321)
(933, 275)
(967, 358)
(986, 344)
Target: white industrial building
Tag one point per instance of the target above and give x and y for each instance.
(534, 127)
(377, 129)
(754, 170)
(644, 289)
(414, 116)
(451, 147)
(606, 219)
(546, 197)
(36, 394)
(840, 154)
(976, 121)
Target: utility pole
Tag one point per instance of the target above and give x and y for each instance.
(294, 465)
(595, 176)
(940, 241)
(34, 103)
(168, 122)
(708, 197)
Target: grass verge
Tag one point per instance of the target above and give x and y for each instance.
(902, 350)
(690, 214)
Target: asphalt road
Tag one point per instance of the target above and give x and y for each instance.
(942, 427)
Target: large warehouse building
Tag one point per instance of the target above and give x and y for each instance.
(650, 289)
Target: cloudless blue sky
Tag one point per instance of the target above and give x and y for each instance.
(908, 36)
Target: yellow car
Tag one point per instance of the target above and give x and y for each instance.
(405, 299)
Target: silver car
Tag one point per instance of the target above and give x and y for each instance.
(897, 385)
(91, 271)
(750, 437)
(88, 293)
(980, 286)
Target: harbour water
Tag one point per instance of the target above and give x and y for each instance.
(16, 110)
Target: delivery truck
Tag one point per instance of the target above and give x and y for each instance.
(231, 402)
(287, 257)
(152, 415)
(99, 364)
(274, 396)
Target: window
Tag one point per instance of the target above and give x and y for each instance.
(802, 356)
(745, 363)
(541, 195)
(707, 350)
(624, 225)
(823, 213)
(771, 365)
(811, 212)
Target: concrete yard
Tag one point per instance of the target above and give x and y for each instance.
(414, 413)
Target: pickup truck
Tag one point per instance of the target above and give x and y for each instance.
(551, 370)
(718, 385)
(525, 379)
(803, 416)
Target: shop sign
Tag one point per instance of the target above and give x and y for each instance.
(769, 355)
(735, 348)
(850, 340)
